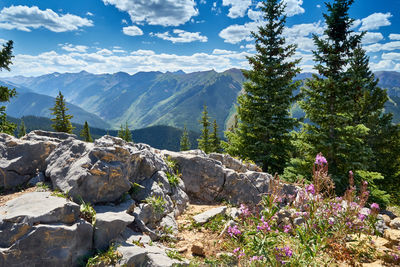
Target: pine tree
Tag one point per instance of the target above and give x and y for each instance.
(6, 93)
(185, 142)
(62, 121)
(330, 97)
(263, 111)
(204, 141)
(22, 130)
(85, 133)
(125, 133)
(215, 140)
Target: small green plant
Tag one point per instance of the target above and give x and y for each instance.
(57, 193)
(87, 212)
(173, 179)
(111, 257)
(157, 203)
(172, 164)
(135, 188)
(217, 223)
(43, 186)
(173, 254)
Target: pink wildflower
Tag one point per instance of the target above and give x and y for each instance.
(234, 231)
(320, 160)
(361, 217)
(310, 189)
(287, 228)
(264, 225)
(244, 210)
(236, 250)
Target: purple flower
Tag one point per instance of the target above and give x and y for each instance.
(244, 210)
(264, 225)
(351, 173)
(287, 228)
(233, 231)
(320, 160)
(288, 251)
(236, 250)
(374, 206)
(361, 217)
(310, 189)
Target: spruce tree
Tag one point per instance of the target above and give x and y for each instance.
(263, 111)
(85, 133)
(214, 139)
(22, 129)
(62, 121)
(185, 142)
(204, 141)
(125, 133)
(6, 93)
(330, 100)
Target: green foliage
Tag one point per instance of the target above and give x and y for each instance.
(215, 140)
(185, 142)
(6, 93)
(85, 133)
(125, 133)
(62, 121)
(55, 193)
(173, 179)
(204, 140)
(173, 254)
(87, 212)
(106, 258)
(264, 109)
(21, 130)
(373, 178)
(157, 203)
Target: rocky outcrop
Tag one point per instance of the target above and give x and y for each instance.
(38, 229)
(22, 159)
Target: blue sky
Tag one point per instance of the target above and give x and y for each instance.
(107, 36)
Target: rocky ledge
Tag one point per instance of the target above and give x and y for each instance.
(136, 192)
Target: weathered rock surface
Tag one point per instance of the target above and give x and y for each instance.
(38, 229)
(234, 164)
(110, 222)
(395, 223)
(22, 159)
(204, 217)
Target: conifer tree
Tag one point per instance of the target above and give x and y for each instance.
(6, 93)
(204, 141)
(85, 133)
(22, 130)
(185, 142)
(125, 133)
(264, 119)
(62, 121)
(335, 129)
(215, 140)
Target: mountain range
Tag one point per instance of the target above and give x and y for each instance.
(149, 98)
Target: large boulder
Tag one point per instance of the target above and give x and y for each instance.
(110, 222)
(22, 159)
(92, 171)
(233, 163)
(38, 229)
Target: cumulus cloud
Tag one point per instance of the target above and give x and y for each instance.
(26, 18)
(293, 7)
(132, 30)
(89, 14)
(234, 34)
(238, 7)
(255, 15)
(74, 48)
(104, 61)
(391, 56)
(385, 64)
(394, 36)
(181, 36)
(383, 47)
(372, 37)
(155, 12)
(375, 21)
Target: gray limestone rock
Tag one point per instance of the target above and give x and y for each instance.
(204, 217)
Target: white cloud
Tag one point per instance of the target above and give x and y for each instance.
(355, 24)
(89, 14)
(238, 7)
(222, 52)
(118, 51)
(384, 65)
(104, 61)
(372, 37)
(383, 47)
(375, 21)
(302, 30)
(181, 36)
(74, 48)
(394, 36)
(26, 18)
(391, 56)
(234, 34)
(255, 15)
(318, 6)
(156, 12)
(293, 7)
(132, 31)
(2, 41)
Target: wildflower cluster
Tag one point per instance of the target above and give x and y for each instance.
(296, 230)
